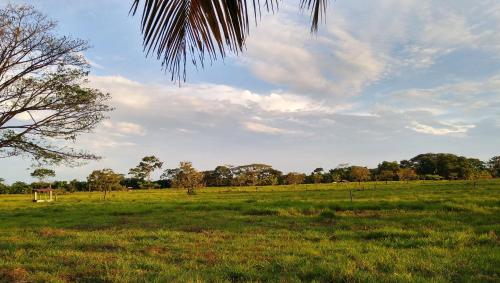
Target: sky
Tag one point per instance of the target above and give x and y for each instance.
(381, 80)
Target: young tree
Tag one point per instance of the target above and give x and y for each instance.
(42, 100)
(406, 174)
(360, 174)
(186, 177)
(145, 168)
(42, 174)
(104, 180)
(386, 175)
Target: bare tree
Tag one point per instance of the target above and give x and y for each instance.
(42, 101)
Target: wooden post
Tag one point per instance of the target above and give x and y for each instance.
(350, 195)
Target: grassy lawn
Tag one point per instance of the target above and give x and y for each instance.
(397, 232)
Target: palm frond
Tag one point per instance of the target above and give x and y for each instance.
(173, 28)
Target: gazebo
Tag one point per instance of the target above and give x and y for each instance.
(42, 195)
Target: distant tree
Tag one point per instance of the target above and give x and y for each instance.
(294, 178)
(494, 166)
(268, 177)
(317, 175)
(405, 164)
(255, 174)
(186, 177)
(42, 174)
(386, 175)
(406, 174)
(19, 188)
(341, 172)
(392, 166)
(42, 95)
(145, 168)
(133, 183)
(446, 165)
(104, 180)
(360, 174)
(4, 189)
(219, 177)
(79, 186)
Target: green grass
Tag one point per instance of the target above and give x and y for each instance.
(397, 232)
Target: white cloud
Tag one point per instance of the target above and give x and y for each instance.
(126, 128)
(333, 63)
(442, 130)
(262, 128)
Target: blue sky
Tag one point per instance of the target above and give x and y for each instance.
(382, 80)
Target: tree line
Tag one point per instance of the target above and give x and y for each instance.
(428, 166)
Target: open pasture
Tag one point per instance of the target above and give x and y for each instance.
(398, 232)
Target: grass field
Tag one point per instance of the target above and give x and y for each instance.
(397, 232)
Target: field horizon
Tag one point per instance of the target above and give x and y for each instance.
(424, 231)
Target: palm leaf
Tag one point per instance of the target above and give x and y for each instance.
(173, 28)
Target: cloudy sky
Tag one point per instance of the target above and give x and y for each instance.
(382, 80)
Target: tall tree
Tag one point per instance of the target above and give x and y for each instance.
(174, 28)
(42, 100)
(145, 168)
(104, 180)
(42, 173)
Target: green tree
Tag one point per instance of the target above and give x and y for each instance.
(186, 177)
(173, 29)
(104, 180)
(220, 176)
(145, 168)
(42, 174)
(4, 189)
(255, 174)
(294, 178)
(42, 98)
(19, 188)
(494, 166)
(317, 175)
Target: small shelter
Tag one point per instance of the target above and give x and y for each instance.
(43, 195)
